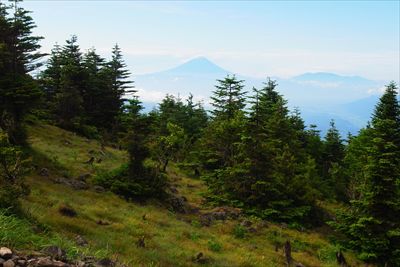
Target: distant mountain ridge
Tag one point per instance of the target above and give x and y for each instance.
(319, 95)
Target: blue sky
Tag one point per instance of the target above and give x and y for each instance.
(252, 38)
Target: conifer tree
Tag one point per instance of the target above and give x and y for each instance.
(69, 101)
(334, 182)
(228, 98)
(19, 56)
(119, 83)
(372, 222)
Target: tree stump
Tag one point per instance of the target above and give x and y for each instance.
(341, 259)
(287, 249)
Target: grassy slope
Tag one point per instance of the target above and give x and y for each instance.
(170, 239)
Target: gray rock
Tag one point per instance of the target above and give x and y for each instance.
(2, 261)
(80, 241)
(8, 263)
(21, 262)
(178, 204)
(98, 189)
(79, 185)
(47, 262)
(44, 172)
(5, 253)
(105, 263)
(76, 184)
(55, 252)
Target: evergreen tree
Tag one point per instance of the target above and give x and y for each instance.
(96, 94)
(334, 182)
(18, 90)
(119, 86)
(372, 222)
(69, 101)
(228, 98)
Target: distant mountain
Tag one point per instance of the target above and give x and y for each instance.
(196, 76)
(197, 66)
(321, 96)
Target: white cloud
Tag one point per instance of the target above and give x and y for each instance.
(376, 91)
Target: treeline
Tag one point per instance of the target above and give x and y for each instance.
(253, 152)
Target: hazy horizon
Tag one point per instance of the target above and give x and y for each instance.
(255, 39)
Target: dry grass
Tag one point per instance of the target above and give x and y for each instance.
(170, 239)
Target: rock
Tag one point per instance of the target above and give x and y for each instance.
(46, 262)
(199, 258)
(79, 185)
(178, 204)
(101, 222)
(99, 189)
(8, 263)
(206, 220)
(21, 262)
(80, 264)
(1, 261)
(80, 241)
(67, 210)
(5, 253)
(76, 184)
(55, 252)
(44, 172)
(105, 263)
(221, 213)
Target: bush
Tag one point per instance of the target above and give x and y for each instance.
(12, 169)
(123, 182)
(239, 231)
(214, 246)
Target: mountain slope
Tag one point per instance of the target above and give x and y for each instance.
(112, 226)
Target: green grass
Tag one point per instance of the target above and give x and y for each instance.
(171, 239)
(16, 232)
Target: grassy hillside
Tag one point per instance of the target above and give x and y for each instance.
(171, 239)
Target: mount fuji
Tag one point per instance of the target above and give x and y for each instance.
(320, 96)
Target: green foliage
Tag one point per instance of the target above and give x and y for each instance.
(19, 55)
(239, 231)
(228, 97)
(259, 162)
(16, 232)
(167, 146)
(85, 91)
(333, 180)
(214, 246)
(371, 223)
(12, 169)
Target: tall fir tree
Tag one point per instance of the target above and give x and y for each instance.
(228, 98)
(333, 180)
(19, 92)
(372, 221)
(69, 101)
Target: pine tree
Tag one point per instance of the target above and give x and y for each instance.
(97, 93)
(334, 182)
(372, 222)
(69, 101)
(228, 98)
(19, 92)
(119, 83)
